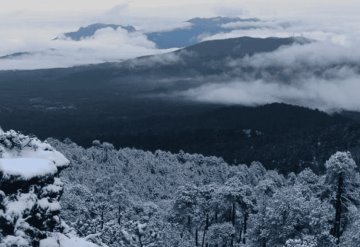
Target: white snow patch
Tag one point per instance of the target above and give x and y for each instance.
(26, 168)
(27, 147)
(23, 203)
(15, 241)
(61, 240)
(45, 151)
(50, 206)
(52, 188)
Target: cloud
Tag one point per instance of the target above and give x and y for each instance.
(107, 45)
(322, 75)
(222, 9)
(159, 60)
(329, 25)
(327, 95)
(29, 26)
(314, 54)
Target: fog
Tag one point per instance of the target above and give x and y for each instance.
(327, 95)
(319, 75)
(107, 45)
(30, 26)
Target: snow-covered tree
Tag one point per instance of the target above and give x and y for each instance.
(221, 234)
(165, 199)
(30, 193)
(342, 183)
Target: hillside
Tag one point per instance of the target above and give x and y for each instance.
(190, 199)
(143, 103)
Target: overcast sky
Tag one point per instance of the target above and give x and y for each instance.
(57, 10)
(97, 5)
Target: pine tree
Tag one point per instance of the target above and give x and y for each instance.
(341, 182)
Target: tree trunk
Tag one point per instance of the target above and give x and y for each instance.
(205, 230)
(140, 241)
(336, 231)
(264, 243)
(233, 215)
(119, 216)
(189, 224)
(240, 235)
(196, 237)
(246, 216)
(102, 220)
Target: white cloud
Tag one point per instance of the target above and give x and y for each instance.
(30, 25)
(328, 95)
(315, 54)
(106, 45)
(322, 30)
(323, 75)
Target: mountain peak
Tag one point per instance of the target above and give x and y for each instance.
(90, 30)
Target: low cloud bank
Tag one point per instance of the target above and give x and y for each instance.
(106, 45)
(327, 95)
(319, 75)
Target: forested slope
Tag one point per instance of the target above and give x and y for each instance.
(136, 198)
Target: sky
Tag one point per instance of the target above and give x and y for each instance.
(31, 25)
(60, 15)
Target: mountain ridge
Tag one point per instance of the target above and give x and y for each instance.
(89, 30)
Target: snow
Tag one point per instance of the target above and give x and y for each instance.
(61, 240)
(50, 206)
(26, 168)
(52, 188)
(15, 241)
(49, 242)
(17, 145)
(23, 158)
(23, 202)
(45, 151)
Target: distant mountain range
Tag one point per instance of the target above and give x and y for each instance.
(16, 54)
(185, 38)
(197, 29)
(90, 30)
(206, 59)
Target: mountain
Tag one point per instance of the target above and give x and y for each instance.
(136, 104)
(237, 47)
(209, 58)
(176, 38)
(16, 54)
(90, 30)
(121, 106)
(197, 29)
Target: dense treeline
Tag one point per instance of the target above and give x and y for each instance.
(129, 197)
(282, 137)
